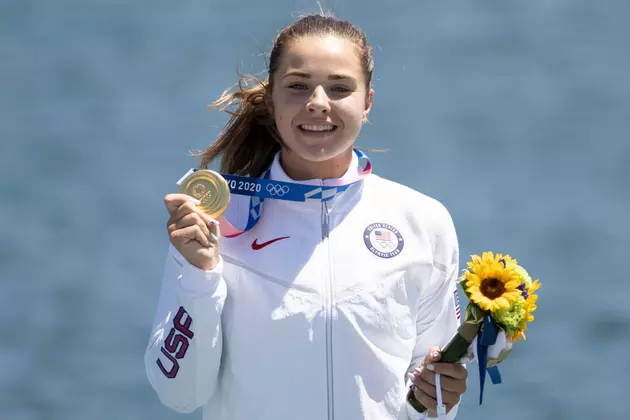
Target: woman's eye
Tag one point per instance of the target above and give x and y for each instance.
(342, 89)
(303, 86)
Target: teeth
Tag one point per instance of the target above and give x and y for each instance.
(323, 127)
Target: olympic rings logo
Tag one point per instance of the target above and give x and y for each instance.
(278, 190)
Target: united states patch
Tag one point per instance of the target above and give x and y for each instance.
(383, 235)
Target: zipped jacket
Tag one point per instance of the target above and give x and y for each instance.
(317, 313)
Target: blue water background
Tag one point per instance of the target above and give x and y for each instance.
(514, 114)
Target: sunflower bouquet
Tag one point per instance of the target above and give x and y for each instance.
(502, 300)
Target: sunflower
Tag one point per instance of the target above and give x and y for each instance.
(491, 281)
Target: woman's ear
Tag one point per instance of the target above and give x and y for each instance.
(368, 105)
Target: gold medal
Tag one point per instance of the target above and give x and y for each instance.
(208, 187)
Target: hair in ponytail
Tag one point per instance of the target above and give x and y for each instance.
(250, 139)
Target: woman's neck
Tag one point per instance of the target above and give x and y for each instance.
(300, 169)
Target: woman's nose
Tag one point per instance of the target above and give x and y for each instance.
(318, 102)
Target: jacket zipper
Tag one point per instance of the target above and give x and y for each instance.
(328, 310)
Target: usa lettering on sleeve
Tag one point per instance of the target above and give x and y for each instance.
(176, 342)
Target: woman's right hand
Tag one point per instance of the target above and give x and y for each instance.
(194, 234)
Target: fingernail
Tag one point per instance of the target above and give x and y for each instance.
(418, 369)
(431, 367)
(214, 236)
(435, 354)
(194, 201)
(411, 377)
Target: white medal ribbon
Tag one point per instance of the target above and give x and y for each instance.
(441, 408)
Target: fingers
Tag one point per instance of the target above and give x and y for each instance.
(191, 219)
(430, 402)
(174, 201)
(447, 383)
(452, 381)
(424, 383)
(433, 355)
(188, 213)
(188, 206)
(424, 399)
(190, 233)
(215, 230)
(188, 222)
(449, 398)
(451, 370)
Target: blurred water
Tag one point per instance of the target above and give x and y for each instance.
(514, 114)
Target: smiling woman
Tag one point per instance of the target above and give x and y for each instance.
(336, 293)
(312, 105)
(320, 100)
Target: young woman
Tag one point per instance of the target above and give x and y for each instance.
(331, 308)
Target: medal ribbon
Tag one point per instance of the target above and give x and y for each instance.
(261, 188)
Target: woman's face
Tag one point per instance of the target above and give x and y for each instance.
(319, 99)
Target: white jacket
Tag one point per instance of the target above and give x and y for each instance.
(322, 324)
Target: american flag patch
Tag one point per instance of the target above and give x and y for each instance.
(456, 300)
(383, 235)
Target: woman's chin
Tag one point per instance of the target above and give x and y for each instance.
(319, 152)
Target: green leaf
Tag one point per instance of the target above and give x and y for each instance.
(474, 314)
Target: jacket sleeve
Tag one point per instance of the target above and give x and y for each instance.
(183, 357)
(438, 313)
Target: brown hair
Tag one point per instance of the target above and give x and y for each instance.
(250, 139)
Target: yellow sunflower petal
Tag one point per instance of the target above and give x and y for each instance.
(482, 301)
(472, 283)
(473, 276)
(496, 305)
(502, 302)
(486, 304)
(473, 289)
(487, 257)
(533, 287)
(509, 260)
(512, 284)
(514, 295)
(477, 297)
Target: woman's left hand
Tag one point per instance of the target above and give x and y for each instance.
(452, 380)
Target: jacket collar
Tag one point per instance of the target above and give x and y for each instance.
(340, 201)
